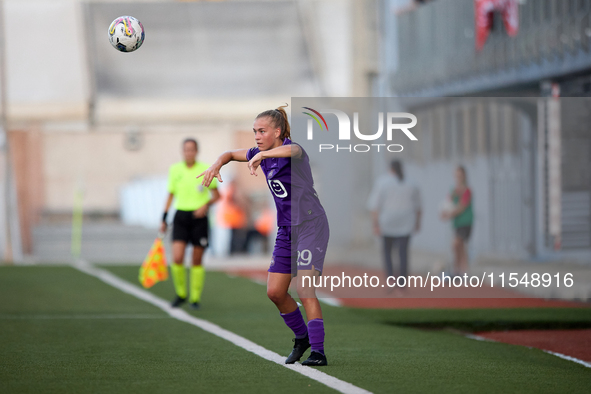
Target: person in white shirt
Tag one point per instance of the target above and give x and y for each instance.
(395, 206)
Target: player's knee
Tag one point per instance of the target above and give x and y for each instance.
(276, 296)
(306, 293)
(178, 258)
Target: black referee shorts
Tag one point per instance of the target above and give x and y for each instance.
(189, 229)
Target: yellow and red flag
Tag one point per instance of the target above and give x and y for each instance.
(153, 269)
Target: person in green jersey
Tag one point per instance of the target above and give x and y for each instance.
(462, 219)
(190, 224)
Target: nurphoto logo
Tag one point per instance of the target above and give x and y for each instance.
(392, 120)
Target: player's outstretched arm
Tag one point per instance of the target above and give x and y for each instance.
(292, 150)
(225, 158)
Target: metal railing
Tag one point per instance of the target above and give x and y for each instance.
(438, 56)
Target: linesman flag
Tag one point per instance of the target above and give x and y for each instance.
(153, 269)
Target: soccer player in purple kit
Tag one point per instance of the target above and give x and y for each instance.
(303, 233)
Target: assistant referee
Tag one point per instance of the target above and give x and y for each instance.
(190, 224)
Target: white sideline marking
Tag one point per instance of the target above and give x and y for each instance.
(214, 329)
(563, 356)
(569, 358)
(479, 338)
(328, 300)
(81, 316)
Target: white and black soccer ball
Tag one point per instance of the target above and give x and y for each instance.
(126, 34)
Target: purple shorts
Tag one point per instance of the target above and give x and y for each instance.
(301, 247)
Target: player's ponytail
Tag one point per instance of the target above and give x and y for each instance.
(279, 118)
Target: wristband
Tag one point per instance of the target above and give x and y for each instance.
(164, 216)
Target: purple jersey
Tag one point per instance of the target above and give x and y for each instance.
(290, 181)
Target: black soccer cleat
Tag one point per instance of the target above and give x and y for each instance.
(195, 305)
(316, 359)
(300, 346)
(178, 301)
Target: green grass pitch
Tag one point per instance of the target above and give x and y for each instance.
(63, 331)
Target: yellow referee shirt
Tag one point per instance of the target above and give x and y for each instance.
(189, 193)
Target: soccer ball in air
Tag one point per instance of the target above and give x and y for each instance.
(126, 34)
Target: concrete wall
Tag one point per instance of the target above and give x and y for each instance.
(99, 162)
(45, 59)
(63, 79)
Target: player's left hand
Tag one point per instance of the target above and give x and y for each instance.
(254, 163)
(201, 212)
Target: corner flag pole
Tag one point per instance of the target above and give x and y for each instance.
(77, 212)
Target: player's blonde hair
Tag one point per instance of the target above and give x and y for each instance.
(279, 118)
